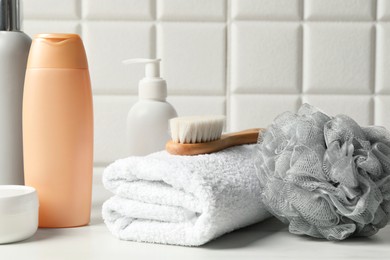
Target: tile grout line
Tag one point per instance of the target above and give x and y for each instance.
(303, 51)
(156, 33)
(154, 49)
(80, 20)
(227, 64)
(374, 62)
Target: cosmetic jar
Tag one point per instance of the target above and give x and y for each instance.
(18, 213)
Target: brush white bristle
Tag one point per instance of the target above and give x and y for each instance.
(196, 129)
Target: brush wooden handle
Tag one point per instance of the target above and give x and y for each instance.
(249, 136)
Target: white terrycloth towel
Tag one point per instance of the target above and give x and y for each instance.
(182, 200)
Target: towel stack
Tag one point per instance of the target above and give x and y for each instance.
(182, 200)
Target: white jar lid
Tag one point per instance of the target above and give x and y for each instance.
(17, 198)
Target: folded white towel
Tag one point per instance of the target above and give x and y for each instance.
(182, 200)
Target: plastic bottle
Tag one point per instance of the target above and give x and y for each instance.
(148, 119)
(14, 48)
(58, 129)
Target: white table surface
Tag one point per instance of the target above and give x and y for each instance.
(267, 240)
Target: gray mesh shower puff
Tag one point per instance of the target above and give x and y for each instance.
(325, 176)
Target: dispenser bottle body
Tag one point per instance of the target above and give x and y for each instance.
(14, 50)
(148, 126)
(58, 135)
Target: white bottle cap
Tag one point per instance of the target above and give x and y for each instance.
(152, 86)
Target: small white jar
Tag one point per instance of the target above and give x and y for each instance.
(18, 213)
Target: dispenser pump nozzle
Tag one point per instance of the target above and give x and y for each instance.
(152, 86)
(152, 66)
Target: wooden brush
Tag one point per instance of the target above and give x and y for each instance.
(203, 134)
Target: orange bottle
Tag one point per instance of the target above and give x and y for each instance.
(58, 129)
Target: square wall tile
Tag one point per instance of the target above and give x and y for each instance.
(191, 10)
(382, 108)
(193, 57)
(339, 58)
(198, 105)
(382, 59)
(118, 9)
(340, 10)
(52, 9)
(360, 108)
(383, 10)
(35, 27)
(266, 57)
(110, 117)
(252, 111)
(266, 9)
(108, 44)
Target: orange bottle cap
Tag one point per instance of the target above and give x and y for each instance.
(57, 50)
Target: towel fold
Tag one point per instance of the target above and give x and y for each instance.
(182, 200)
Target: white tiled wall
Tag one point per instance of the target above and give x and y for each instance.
(248, 59)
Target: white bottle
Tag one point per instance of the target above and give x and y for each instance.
(148, 119)
(14, 48)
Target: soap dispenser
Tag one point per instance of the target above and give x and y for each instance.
(148, 119)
